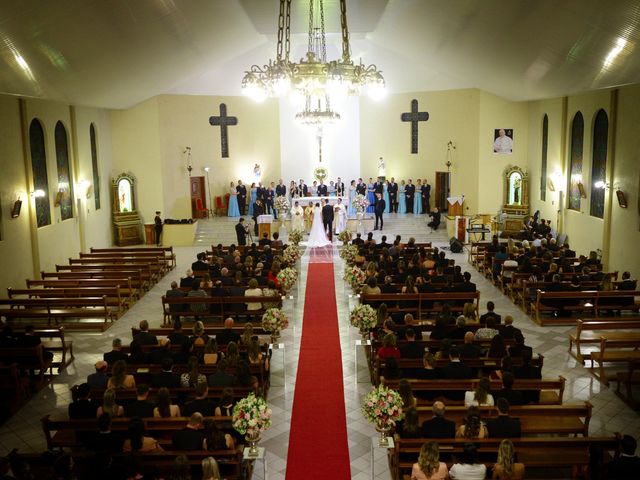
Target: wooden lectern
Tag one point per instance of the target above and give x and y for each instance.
(264, 225)
(456, 206)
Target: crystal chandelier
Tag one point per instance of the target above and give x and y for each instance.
(313, 77)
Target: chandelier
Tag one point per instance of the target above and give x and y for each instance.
(313, 77)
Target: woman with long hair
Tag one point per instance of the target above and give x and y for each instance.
(211, 354)
(243, 373)
(164, 408)
(138, 442)
(409, 285)
(192, 376)
(119, 377)
(429, 466)
(409, 426)
(181, 468)
(269, 291)
(497, 348)
(233, 354)
(467, 467)
(481, 396)
(214, 438)
(388, 348)
(473, 427)
(225, 407)
(406, 393)
(247, 335)
(210, 470)
(506, 468)
(199, 337)
(470, 313)
(109, 405)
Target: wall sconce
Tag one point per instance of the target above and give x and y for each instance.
(551, 185)
(583, 192)
(15, 211)
(187, 151)
(622, 199)
(39, 193)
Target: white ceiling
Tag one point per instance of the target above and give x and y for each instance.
(117, 53)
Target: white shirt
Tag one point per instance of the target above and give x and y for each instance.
(503, 145)
(464, 471)
(469, 400)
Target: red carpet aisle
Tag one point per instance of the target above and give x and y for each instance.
(318, 447)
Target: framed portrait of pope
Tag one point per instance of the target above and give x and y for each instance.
(503, 141)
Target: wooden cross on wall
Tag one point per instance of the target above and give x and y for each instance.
(414, 116)
(223, 121)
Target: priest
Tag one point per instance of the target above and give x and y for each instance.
(297, 217)
(340, 217)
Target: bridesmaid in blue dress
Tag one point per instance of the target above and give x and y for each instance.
(417, 198)
(402, 207)
(254, 193)
(352, 195)
(233, 210)
(385, 196)
(371, 196)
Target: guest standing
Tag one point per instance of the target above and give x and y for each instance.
(157, 221)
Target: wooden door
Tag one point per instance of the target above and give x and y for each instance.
(197, 192)
(442, 191)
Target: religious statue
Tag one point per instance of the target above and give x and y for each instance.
(257, 172)
(381, 167)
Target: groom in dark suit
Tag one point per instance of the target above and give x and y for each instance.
(327, 219)
(379, 210)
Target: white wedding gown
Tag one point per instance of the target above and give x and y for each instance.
(317, 235)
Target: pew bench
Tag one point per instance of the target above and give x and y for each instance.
(135, 277)
(112, 294)
(223, 307)
(167, 252)
(128, 395)
(27, 358)
(590, 331)
(614, 351)
(424, 303)
(211, 330)
(125, 288)
(583, 301)
(53, 340)
(144, 270)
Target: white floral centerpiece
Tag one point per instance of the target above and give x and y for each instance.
(296, 236)
(291, 255)
(281, 204)
(364, 318)
(345, 236)
(360, 203)
(348, 253)
(274, 321)
(355, 277)
(382, 406)
(287, 278)
(251, 417)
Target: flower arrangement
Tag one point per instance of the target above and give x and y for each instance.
(296, 236)
(348, 253)
(282, 204)
(287, 278)
(382, 406)
(360, 203)
(251, 415)
(364, 318)
(345, 236)
(355, 277)
(274, 321)
(291, 255)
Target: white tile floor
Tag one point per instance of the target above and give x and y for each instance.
(610, 413)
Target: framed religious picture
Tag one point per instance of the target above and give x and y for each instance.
(622, 199)
(503, 141)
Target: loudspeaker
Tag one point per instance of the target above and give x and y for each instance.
(456, 246)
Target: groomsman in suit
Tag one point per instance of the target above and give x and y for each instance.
(409, 191)
(426, 193)
(261, 192)
(378, 187)
(361, 187)
(268, 200)
(242, 196)
(392, 189)
(327, 219)
(322, 189)
(303, 188)
(379, 210)
(258, 209)
(281, 189)
(339, 188)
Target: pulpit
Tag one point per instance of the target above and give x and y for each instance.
(264, 225)
(456, 206)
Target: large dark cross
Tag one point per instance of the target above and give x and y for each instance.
(223, 121)
(414, 116)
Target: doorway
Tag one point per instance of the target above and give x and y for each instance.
(442, 191)
(198, 197)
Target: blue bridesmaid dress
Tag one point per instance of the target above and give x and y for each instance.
(233, 210)
(417, 202)
(352, 195)
(402, 207)
(254, 193)
(387, 202)
(371, 197)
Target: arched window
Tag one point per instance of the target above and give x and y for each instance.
(599, 163)
(575, 168)
(65, 186)
(543, 163)
(39, 169)
(94, 166)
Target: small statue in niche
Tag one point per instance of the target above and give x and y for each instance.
(257, 172)
(381, 167)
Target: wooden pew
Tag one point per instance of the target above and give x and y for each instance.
(53, 340)
(135, 276)
(165, 263)
(156, 266)
(166, 251)
(112, 294)
(614, 351)
(619, 300)
(146, 274)
(582, 301)
(57, 309)
(31, 358)
(210, 330)
(124, 285)
(12, 385)
(221, 305)
(426, 303)
(590, 331)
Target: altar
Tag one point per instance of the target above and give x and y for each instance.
(304, 201)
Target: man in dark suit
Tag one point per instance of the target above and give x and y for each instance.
(322, 189)
(99, 379)
(228, 334)
(411, 349)
(175, 292)
(379, 210)
(144, 337)
(221, 378)
(378, 187)
(425, 192)
(258, 209)
(507, 392)
(383, 243)
(201, 403)
(528, 371)
(504, 426)
(392, 190)
(200, 265)
(241, 233)
(490, 314)
(361, 187)
(166, 378)
(281, 189)
(187, 281)
(438, 426)
(509, 331)
(409, 192)
(105, 440)
(190, 437)
(519, 348)
(435, 219)
(82, 407)
(469, 349)
(339, 187)
(455, 369)
(627, 465)
(242, 196)
(115, 354)
(140, 407)
(303, 188)
(327, 219)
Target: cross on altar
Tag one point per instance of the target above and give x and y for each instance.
(414, 116)
(223, 121)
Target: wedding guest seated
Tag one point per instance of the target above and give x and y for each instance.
(460, 329)
(99, 379)
(627, 283)
(445, 347)
(199, 338)
(438, 426)
(221, 378)
(192, 376)
(504, 426)
(200, 265)
(190, 437)
(473, 427)
(197, 292)
(391, 370)
(519, 348)
(109, 405)
(409, 426)
(429, 466)
(215, 439)
(429, 370)
(488, 331)
(467, 466)
(82, 406)
(138, 441)
(253, 291)
(200, 403)
(411, 349)
(506, 468)
(490, 314)
(469, 349)
(161, 352)
(470, 313)
(406, 394)
(528, 371)
(627, 465)
(507, 392)
(137, 355)
(141, 407)
(440, 330)
(115, 354)
(264, 240)
(455, 369)
(467, 285)
(164, 408)
(144, 337)
(371, 288)
(225, 407)
(388, 348)
(481, 396)
(276, 242)
(187, 280)
(166, 378)
(104, 440)
(228, 334)
(233, 355)
(211, 355)
(358, 241)
(120, 378)
(508, 332)
(497, 348)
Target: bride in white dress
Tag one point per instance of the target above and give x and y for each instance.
(317, 235)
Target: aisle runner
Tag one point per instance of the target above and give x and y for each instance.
(318, 445)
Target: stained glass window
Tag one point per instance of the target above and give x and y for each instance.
(39, 169)
(94, 165)
(543, 164)
(65, 186)
(599, 163)
(575, 168)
